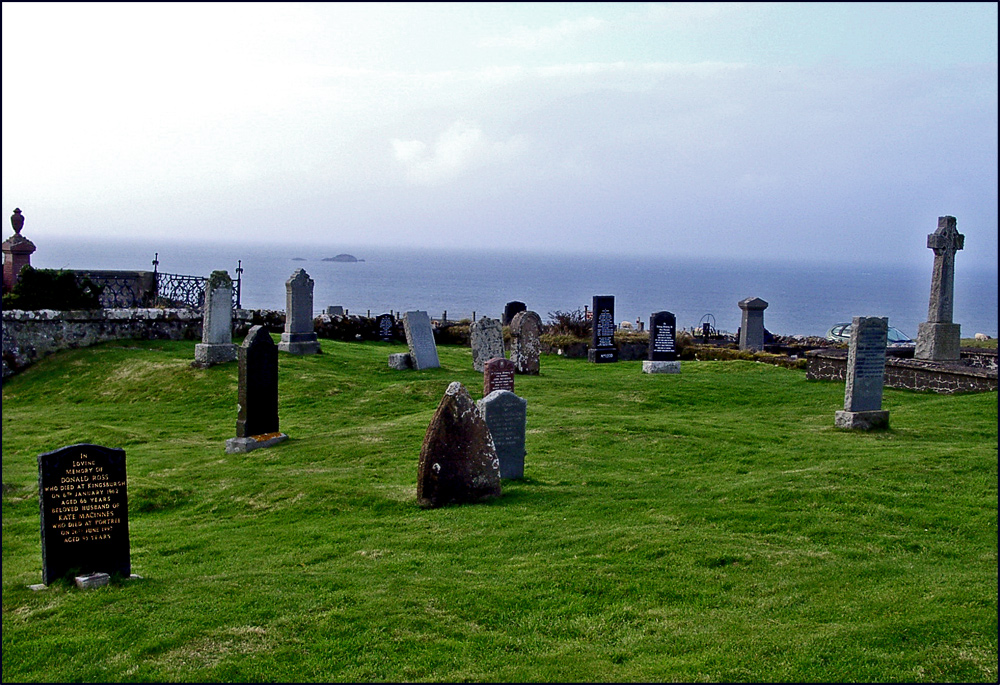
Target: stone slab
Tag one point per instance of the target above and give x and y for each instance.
(210, 354)
(92, 580)
(866, 364)
(506, 414)
(400, 361)
(253, 442)
(938, 341)
(420, 339)
(486, 341)
(602, 356)
(660, 367)
(862, 420)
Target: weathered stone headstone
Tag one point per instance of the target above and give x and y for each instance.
(662, 344)
(865, 375)
(939, 339)
(498, 374)
(458, 461)
(83, 502)
(335, 310)
(386, 324)
(525, 346)
(602, 345)
(216, 344)
(257, 420)
(752, 324)
(511, 309)
(486, 340)
(400, 361)
(506, 414)
(420, 339)
(300, 335)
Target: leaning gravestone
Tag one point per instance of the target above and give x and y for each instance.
(216, 344)
(505, 414)
(525, 345)
(865, 376)
(602, 345)
(752, 324)
(511, 309)
(458, 461)
(257, 420)
(300, 335)
(486, 340)
(662, 344)
(83, 502)
(939, 338)
(498, 374)
(386, 324)
(420, 339)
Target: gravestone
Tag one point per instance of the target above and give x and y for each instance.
(939, 339)
(498, 374)
(300, 335)
(458, 461)
(486, 340)
(662, 344)
(216, 344)
(386, 324)
(865, 376)
(511, 309)
(752, 324)
(257, 420)
(335, 310)
(602, 344)
(400, 361)
(83, 502)
(420, 339)
(525, 346)
(506, 414)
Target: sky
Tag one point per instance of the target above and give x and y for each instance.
(810, 131)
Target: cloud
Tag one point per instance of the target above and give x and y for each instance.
(525, 38)
(461, 147)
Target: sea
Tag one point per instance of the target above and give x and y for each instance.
(805, 298)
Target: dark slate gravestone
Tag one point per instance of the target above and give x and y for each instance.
(257, 420)
(458, 462)
(662, 344)
(83, 501)
(498, 374)
(386, 327)
(602, 347)
(505, 414)
(511, 310)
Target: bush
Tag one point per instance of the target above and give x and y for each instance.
(52, 289)
(573, 323)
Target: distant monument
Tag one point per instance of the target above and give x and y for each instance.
(939, 339)
(752, 324)
(16, 252)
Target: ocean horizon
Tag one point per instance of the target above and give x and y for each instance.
(804, 298)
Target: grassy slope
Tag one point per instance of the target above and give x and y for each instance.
(707, 526)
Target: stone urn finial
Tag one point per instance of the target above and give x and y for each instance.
(17, 221)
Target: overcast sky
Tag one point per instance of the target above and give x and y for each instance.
(819, 131)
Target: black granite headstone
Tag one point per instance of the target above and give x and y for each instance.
(662, 337)
(386, 327)
(258, 385)
(83, 503)
(511, 310)
(602, 346)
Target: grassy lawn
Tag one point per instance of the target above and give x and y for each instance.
(707, 526)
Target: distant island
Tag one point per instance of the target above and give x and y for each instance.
(298, 259)
(343, 258)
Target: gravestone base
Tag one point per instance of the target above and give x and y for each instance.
(254, 442)
(400, 361)
(862, 420)
(92, 580)
(210, 354)
(661, 367)
(299, 343)
(938, 341)
(602, 356)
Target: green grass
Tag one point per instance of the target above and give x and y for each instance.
(708, 526)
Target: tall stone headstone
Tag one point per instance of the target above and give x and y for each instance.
(506, 414)
(525, 345)
(83, 502)
(458, 461)
(257, 418)
(498, 374)
(486, 340)
(662, 344)
(602, 344)
(420, 340)
(17, 251)
(300, 334)
(865, 375)
(939, 339)
(752, 324)
(386, 324)
(511, 309)
(216, 344)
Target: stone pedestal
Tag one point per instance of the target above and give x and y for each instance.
(661, 367)
(400, 361)
(938, 341)
(16, 252)
(862, 420)
(299, 343)
(210, 354)
(602, 356)
(253, 442)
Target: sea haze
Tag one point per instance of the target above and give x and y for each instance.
(804, 298)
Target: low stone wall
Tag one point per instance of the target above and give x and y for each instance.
(971, 374)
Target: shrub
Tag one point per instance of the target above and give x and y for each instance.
(52, 289)
(573, 323)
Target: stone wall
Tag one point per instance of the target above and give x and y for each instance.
(971, 374)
